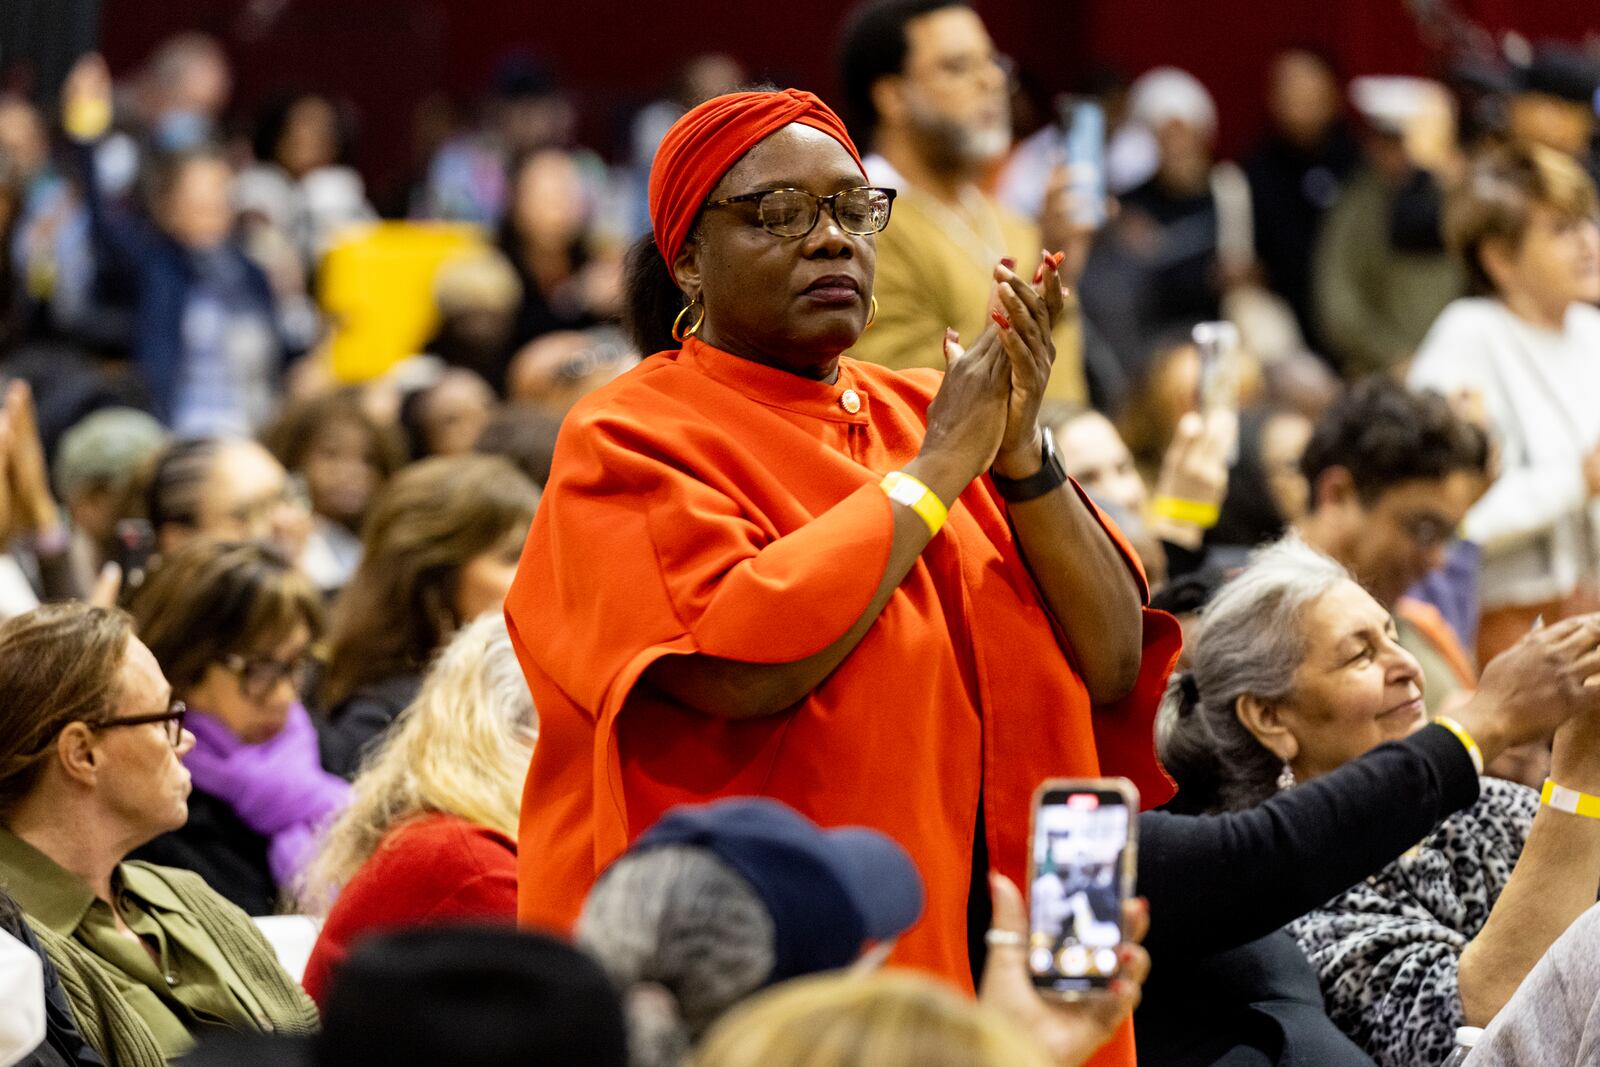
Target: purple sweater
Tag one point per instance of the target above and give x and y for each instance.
(277, 788)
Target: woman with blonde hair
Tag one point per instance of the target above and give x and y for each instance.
(430, 832)
(890, 1019)
(440, 548)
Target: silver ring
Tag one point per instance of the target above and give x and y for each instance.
(1005, 939)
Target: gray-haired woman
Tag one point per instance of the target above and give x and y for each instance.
(1295, 673)
(720, 900)
(716, 901)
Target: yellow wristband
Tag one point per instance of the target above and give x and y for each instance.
(1465, 738)
(1192, 512)
(904, 489)
(1570, 800)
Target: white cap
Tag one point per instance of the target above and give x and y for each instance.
(1467, 1036)
(1390, 102)
(1166, 94)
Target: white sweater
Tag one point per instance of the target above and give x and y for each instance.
(1539, 529)
(1554, 1018)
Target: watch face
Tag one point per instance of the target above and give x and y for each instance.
(1052, 460)
(1050, 474)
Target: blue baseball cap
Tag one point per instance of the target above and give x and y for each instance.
(829, 892)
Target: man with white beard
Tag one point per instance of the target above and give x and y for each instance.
(925, 88)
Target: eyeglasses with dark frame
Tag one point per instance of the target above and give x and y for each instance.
(173, 719)
(260, 675)
(860, 211)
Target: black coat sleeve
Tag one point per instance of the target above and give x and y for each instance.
(1215, 882)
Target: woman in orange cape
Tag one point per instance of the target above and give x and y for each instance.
(742, 579)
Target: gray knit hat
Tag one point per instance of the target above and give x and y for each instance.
(105, 448)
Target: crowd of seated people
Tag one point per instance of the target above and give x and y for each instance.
(533, 668)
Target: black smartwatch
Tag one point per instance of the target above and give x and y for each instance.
(1050, 476)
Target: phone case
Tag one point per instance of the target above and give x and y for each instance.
(1130, 798)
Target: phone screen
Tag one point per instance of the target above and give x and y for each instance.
(1078, 881)
(1218, 344)
(1083, 133)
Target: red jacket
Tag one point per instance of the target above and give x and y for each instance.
(706, 503)
(427, 869)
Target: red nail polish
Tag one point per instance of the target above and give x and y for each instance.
(1008, 263)
(1056, 258)
(1038, 275)
(1000, 319)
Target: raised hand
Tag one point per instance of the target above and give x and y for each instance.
(34, 507)
(1194, 470)
(1548, 679)
(1027, 319)
(1070, 1031)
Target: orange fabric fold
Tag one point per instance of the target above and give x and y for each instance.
(704, 503)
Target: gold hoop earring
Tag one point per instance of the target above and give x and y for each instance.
(679, 334)
(872, 316)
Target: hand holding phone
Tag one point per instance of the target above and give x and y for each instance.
(1080, 874)
(1071, 1030)
(135, 545)
(1218, 344)
(1083, 124)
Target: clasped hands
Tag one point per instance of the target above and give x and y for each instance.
(986, 413)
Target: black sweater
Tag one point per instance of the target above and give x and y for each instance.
(359, 722)
(1221, 988)
(217, 845)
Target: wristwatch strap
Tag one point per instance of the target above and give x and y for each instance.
(1051, 475)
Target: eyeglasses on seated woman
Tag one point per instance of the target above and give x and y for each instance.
(234, 625)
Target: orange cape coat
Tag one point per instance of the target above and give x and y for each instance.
(706, 503)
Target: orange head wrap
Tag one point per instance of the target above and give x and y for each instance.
(705, 144)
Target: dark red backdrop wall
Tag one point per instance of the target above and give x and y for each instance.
(386, 55)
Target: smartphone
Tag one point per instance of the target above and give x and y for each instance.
(1218, 344)
(135, 544)
(1080, 871)
(1083, 130)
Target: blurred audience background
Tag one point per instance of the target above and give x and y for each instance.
(294, 300)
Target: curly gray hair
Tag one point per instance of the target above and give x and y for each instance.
(685, 937)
